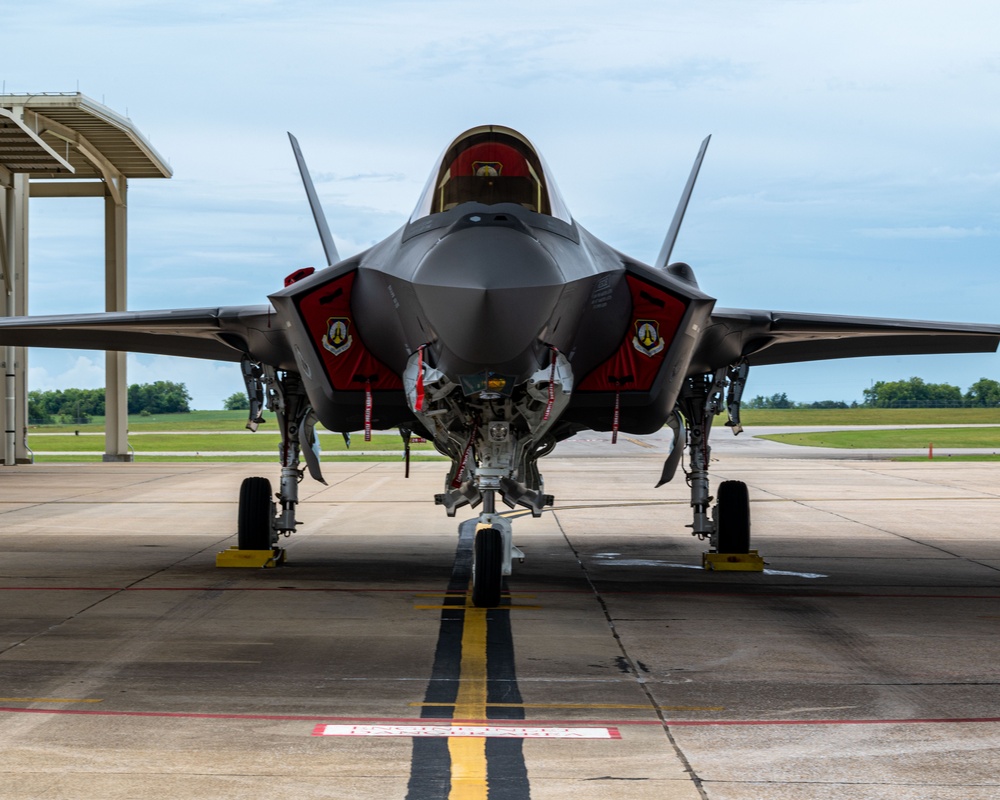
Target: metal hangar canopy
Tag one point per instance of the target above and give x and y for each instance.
(80, 137)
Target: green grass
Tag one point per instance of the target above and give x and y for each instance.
(233, 436)
(191, 421)
(872, 416)
(42, 458)
(195, 442)
(889, 439)
(184, 433)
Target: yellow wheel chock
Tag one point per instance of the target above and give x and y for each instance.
(733, 562)
(250, 559)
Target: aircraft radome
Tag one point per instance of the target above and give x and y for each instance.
(494, 325)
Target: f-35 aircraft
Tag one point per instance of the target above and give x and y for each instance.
(494, 325)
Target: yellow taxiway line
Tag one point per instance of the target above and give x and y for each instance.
(468, 755)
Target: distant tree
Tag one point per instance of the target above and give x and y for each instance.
(38, 408)
(774, 401)
(827, 404)
(913, 393)
(79, 405)
(162, 397)
(237, 401)
(66, 405)
(984, 393)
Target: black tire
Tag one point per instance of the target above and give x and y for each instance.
(253, 529)
(487, 568)
(733, 518)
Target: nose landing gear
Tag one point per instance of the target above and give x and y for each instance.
(493, 552)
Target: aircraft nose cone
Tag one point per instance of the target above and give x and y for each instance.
(488, 292)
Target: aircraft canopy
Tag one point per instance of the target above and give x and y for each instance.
(491, 164)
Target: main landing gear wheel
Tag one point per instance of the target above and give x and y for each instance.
(733, 518)
(253, 530)
(487, 568)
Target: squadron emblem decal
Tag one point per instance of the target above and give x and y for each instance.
(647, 339)
(337, 339)
(486, 169)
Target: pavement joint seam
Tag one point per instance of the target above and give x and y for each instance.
(633, 668)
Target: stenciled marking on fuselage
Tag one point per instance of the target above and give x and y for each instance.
(463, 686)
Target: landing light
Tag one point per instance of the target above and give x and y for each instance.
(488, 385)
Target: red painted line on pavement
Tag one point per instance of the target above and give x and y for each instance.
(740, 596)
(833, 595)
(61, 589)
(209, 589)
(520, 723)
(928, 721)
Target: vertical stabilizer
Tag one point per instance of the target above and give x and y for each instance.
(675, 225)
(329, 247)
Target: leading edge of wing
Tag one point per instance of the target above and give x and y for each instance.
(220, 334)
(778, 337)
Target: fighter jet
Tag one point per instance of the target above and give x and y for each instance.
(494, 325)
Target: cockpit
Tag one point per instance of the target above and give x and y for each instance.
(491, 164)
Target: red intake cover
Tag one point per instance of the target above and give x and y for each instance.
(326, 312)
(656, 316)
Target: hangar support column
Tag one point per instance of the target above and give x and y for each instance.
(13, 191)
(22, 152)
(116, 383)
(16, 358)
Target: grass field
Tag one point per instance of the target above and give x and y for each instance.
(191, 421)
(236, 420)
(196, 442)
(891, 439)
(973, 437)
(207, 433)
(872, 416)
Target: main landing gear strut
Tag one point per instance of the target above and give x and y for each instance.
(264, 516)
(726, 525)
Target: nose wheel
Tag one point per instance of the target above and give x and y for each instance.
(487, 567)
(493, 552)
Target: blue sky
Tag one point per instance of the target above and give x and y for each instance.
(853, 169)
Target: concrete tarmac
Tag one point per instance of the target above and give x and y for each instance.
(864, 663)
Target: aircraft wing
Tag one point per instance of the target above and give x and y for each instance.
(778, 337)
(221, 334)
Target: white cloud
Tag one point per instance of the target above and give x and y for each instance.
(85, 372)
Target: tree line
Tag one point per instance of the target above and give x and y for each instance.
(912, 393)
(78, 406)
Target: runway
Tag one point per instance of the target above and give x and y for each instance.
(862, 664)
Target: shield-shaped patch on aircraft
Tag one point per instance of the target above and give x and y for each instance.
(486, 168)
(647, 339)
(337, 339)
